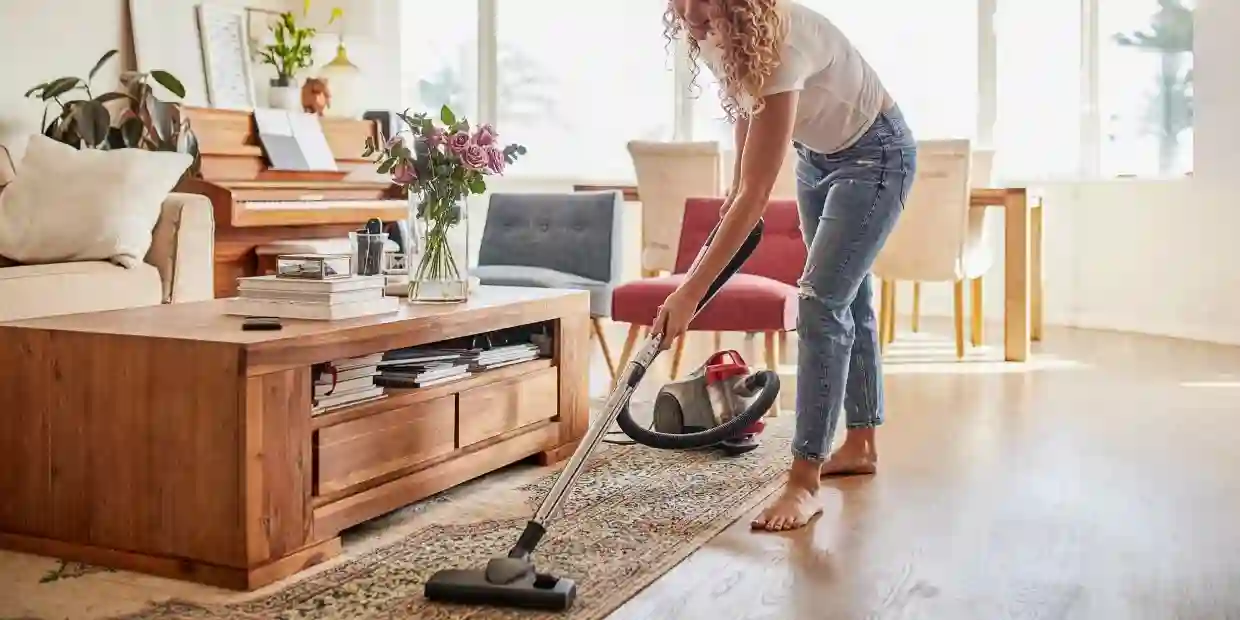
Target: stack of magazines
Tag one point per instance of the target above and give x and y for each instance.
(506, 355)
(416, 367)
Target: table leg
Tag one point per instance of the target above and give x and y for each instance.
(1035, 272)
(1017, 278)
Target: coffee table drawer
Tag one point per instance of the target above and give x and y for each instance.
(491, 410)
(369, 447)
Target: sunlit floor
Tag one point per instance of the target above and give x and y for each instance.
(1100, 481)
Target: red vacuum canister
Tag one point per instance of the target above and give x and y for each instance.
(723, 371)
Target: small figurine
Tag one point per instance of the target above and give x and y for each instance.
(316, 96)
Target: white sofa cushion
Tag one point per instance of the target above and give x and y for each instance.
(69, 288)
(68, 205)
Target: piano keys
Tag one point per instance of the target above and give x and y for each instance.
(254, 204)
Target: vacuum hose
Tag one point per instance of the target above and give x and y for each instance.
(766, 382)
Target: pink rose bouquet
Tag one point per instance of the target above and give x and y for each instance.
(450, 158)
(440, 162)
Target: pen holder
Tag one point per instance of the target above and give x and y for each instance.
(368, 252)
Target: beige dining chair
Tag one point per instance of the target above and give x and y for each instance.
(785, 184)
(668, 173)
(939, 237)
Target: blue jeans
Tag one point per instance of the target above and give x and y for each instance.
(849, 203)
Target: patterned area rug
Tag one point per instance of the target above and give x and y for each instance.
(635, 514)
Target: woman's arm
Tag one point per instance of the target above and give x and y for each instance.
(740, 130)
(767, 140)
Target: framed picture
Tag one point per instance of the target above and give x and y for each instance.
(226, 57)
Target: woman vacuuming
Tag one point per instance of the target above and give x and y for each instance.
(788, 76)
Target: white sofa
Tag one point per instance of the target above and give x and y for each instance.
(177, 268)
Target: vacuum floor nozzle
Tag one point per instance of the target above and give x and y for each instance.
(532, 591)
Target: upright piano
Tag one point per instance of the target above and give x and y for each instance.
(255, 205)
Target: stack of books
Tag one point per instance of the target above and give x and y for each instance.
(415, 368)
(346, 382)
(303, 298)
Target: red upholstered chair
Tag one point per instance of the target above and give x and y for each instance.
(761, 298)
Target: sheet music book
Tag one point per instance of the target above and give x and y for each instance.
(293, 140)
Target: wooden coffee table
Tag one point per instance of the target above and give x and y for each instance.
(167, 440)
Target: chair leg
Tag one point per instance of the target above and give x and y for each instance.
(916, 307)
(718, 341)
(959, 314)
(882, 315)
(783, 346)
(771, 350)
(892, 303)
(625, 353)
(602, 343)
(677, 353)
(975, 296)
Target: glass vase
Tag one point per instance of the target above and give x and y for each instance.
(439, 273)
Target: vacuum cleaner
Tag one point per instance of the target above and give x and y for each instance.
(735, 401)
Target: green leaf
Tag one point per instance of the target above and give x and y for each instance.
(477, 185)
(386, 166)
(92, 121)
(337, 13)
(446, 116)
(131, 131)
(112, 96)
(35, 89)
(170, 82)
(99, 64)
(60, 86)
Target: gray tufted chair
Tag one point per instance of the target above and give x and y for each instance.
(566, 240)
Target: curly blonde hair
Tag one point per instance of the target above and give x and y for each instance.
(750, 33)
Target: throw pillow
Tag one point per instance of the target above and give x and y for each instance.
(79, 205)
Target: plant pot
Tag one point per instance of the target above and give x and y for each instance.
(284, 95)
(439, 265)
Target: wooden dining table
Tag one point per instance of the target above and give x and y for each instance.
(1022, 259)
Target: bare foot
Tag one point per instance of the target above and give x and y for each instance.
(857, 457)
(793, 509)
(797, 503)
(849, 464)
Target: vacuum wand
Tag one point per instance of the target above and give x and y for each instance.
(513, 580)
(632, 376)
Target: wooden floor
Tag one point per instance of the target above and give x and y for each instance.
(1108, 489)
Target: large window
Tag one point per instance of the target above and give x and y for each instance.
(440, 64)
(578, 80)
(1058, 88)
(1145, 87)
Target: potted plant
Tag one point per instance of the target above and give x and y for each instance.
(291, 51)
(130, 117)
(440, 164)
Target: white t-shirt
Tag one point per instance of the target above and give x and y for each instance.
(841, 94)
